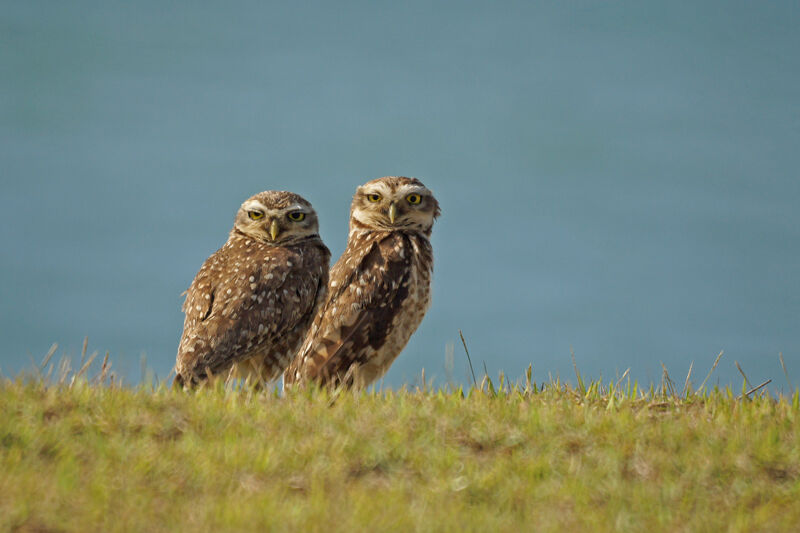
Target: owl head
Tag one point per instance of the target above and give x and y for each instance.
(394, 203)
(277, 218)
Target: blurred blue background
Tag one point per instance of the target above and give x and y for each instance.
(620, 179)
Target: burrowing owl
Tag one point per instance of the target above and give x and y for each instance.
(253, 300)
(379, 289)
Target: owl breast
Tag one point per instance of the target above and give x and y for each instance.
(414, 303)
(379, 292)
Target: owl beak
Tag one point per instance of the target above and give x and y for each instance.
(392, 212)
(274, 230)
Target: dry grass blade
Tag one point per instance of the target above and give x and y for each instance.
(529, 383)
(352, 378)
(746, 381)
(751, 391)
(469, 359)
(48, 356)
(686, 383)
(716, 362)
(624, 375)
(208, 382)
(103, 370)
(785, 373)
(667, 384)
(231, 377)
(63, 370)
(83, 350)
(334, 393)
(85, 367)
(577, 373)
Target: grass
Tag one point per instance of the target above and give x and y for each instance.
(80, 454)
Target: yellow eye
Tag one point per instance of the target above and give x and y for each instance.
(414, 199)
(255, 215)
(374, 197)
(297, 216)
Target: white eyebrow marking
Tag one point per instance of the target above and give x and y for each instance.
(413, 189)
(380, 188)
(254, 204)
(298, 207)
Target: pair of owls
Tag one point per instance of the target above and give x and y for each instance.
(265, 302)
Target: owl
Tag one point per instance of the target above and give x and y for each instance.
(379, 289)
(250, 305)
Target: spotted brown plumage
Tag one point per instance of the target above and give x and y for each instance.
(379, 289)
(251, 303)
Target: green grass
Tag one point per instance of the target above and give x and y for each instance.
(89, 456)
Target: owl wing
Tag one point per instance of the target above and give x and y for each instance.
(370, 286)
(238, 304)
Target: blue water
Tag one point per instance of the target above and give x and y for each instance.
(618, 179)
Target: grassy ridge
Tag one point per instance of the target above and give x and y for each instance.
(98, 458)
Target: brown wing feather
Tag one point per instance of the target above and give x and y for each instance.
(242, 299)
(358, 309)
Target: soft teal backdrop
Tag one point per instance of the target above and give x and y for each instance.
(620, 178)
